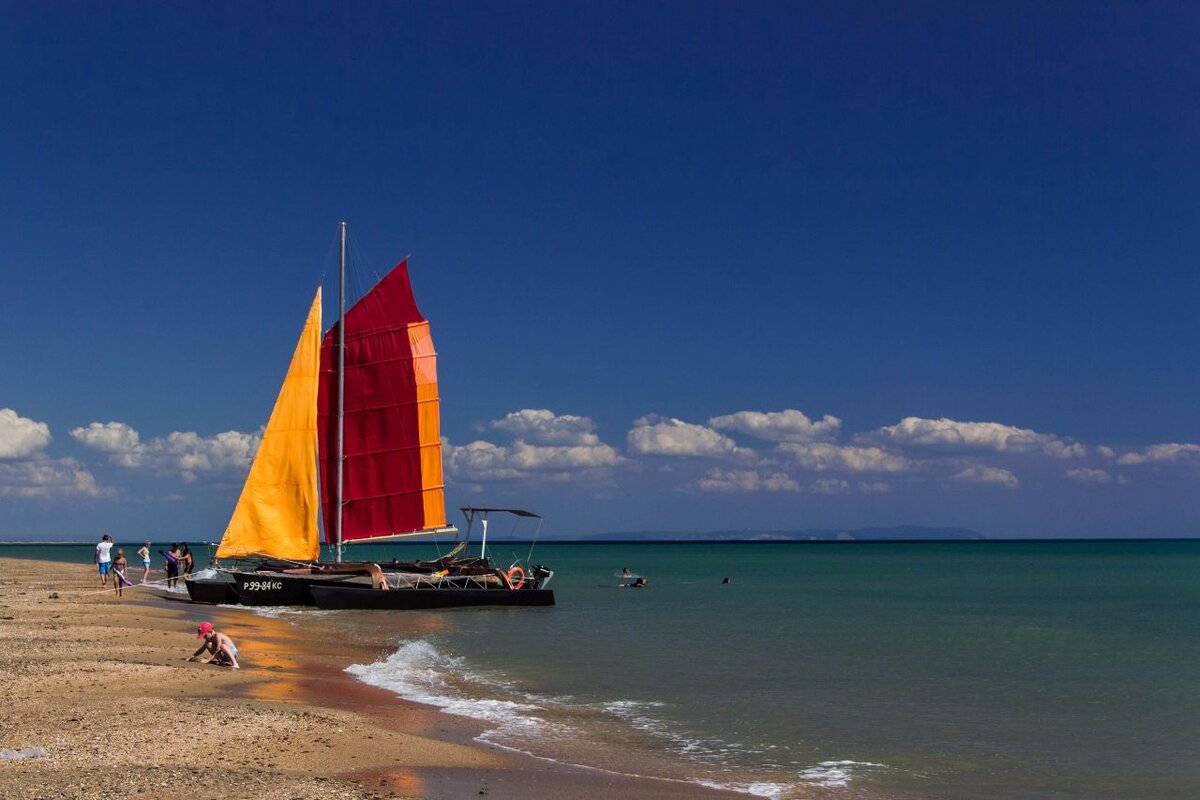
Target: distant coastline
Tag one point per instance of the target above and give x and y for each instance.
(910, 534)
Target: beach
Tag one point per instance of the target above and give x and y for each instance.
(102, 685)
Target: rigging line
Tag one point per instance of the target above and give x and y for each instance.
(536, 533)
(87, 592)
(329, 259)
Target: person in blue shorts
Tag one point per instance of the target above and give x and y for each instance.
(145, 554)
(102, 558)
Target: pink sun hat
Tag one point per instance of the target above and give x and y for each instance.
(205, 627)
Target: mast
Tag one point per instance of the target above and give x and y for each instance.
(341, 392)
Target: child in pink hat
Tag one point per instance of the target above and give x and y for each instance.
(221, 649)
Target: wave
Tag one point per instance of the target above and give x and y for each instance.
(519, 720)
(419, 672)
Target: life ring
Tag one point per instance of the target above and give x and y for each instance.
(520, 573)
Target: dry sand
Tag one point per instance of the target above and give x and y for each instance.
(104, 686)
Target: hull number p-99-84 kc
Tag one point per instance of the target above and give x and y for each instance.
(262, 586)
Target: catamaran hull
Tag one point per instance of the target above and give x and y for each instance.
(258, 589)
(210, 591)
(345, 598)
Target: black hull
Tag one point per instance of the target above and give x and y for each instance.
(346, 597)
(216, 592)
(257, 589)
(260, 589)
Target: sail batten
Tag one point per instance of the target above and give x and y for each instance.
(392, 461)
(276, 514)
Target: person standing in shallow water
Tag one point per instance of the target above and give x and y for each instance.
(103, 558)
(185, 560)
(171, 562)
(144, 553)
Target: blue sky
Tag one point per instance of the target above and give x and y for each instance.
(689, 266)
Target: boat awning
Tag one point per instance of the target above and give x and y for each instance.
(514, 511)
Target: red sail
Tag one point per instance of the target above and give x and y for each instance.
(392, 468)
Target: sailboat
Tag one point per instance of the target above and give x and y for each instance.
(358, 416)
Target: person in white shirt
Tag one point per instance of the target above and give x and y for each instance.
(103, 558)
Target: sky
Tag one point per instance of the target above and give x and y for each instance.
(688, 266)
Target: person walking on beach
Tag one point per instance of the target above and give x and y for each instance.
(119, 567)
(221, 649)
(144, 553)
(171, 563)
(185, 560)
(103, 558)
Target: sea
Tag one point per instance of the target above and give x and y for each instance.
(983, 670)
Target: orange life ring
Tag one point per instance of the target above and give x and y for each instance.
(521, 579)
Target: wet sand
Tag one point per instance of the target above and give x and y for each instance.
(104, 686)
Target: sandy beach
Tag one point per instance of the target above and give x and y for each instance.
(103, 686)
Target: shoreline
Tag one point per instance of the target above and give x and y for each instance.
(104, 686)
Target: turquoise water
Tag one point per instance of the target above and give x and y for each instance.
(971, 670)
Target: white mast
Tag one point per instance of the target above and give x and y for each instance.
(341, 394)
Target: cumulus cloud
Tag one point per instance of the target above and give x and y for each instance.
(874, 487)
(1162, 454)
(119, 440)
(830, 486)
(477, 461)
(950, 435)
(746, 480)
(550, 447)
(185, 452)
(20, 436)
(825, 457)
(1084, 475)
(48, 478)
(1106, 451)
(995, 475)
(543, 427)
(527, 456)
(665, 436)
(788, 425)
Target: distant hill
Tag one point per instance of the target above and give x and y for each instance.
(900, 533)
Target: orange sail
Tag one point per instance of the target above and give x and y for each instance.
(277, 512)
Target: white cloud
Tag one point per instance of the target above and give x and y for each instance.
(746, 480)
(481, 461)
(231, 451)
(1162, 454)
(547, 447)
(825, 457)
(654, 435)
(477, 461)
(48, 478)
(830, 486)
(948, 434)
(789, 425)
(527, 456)
(1084, 475)
(994, 475)
(543, 427)
(185, 452)
(1106, 451)
(20, 436)
(116, 438)
(874, 487)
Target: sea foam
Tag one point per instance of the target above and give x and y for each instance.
(418, 671)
